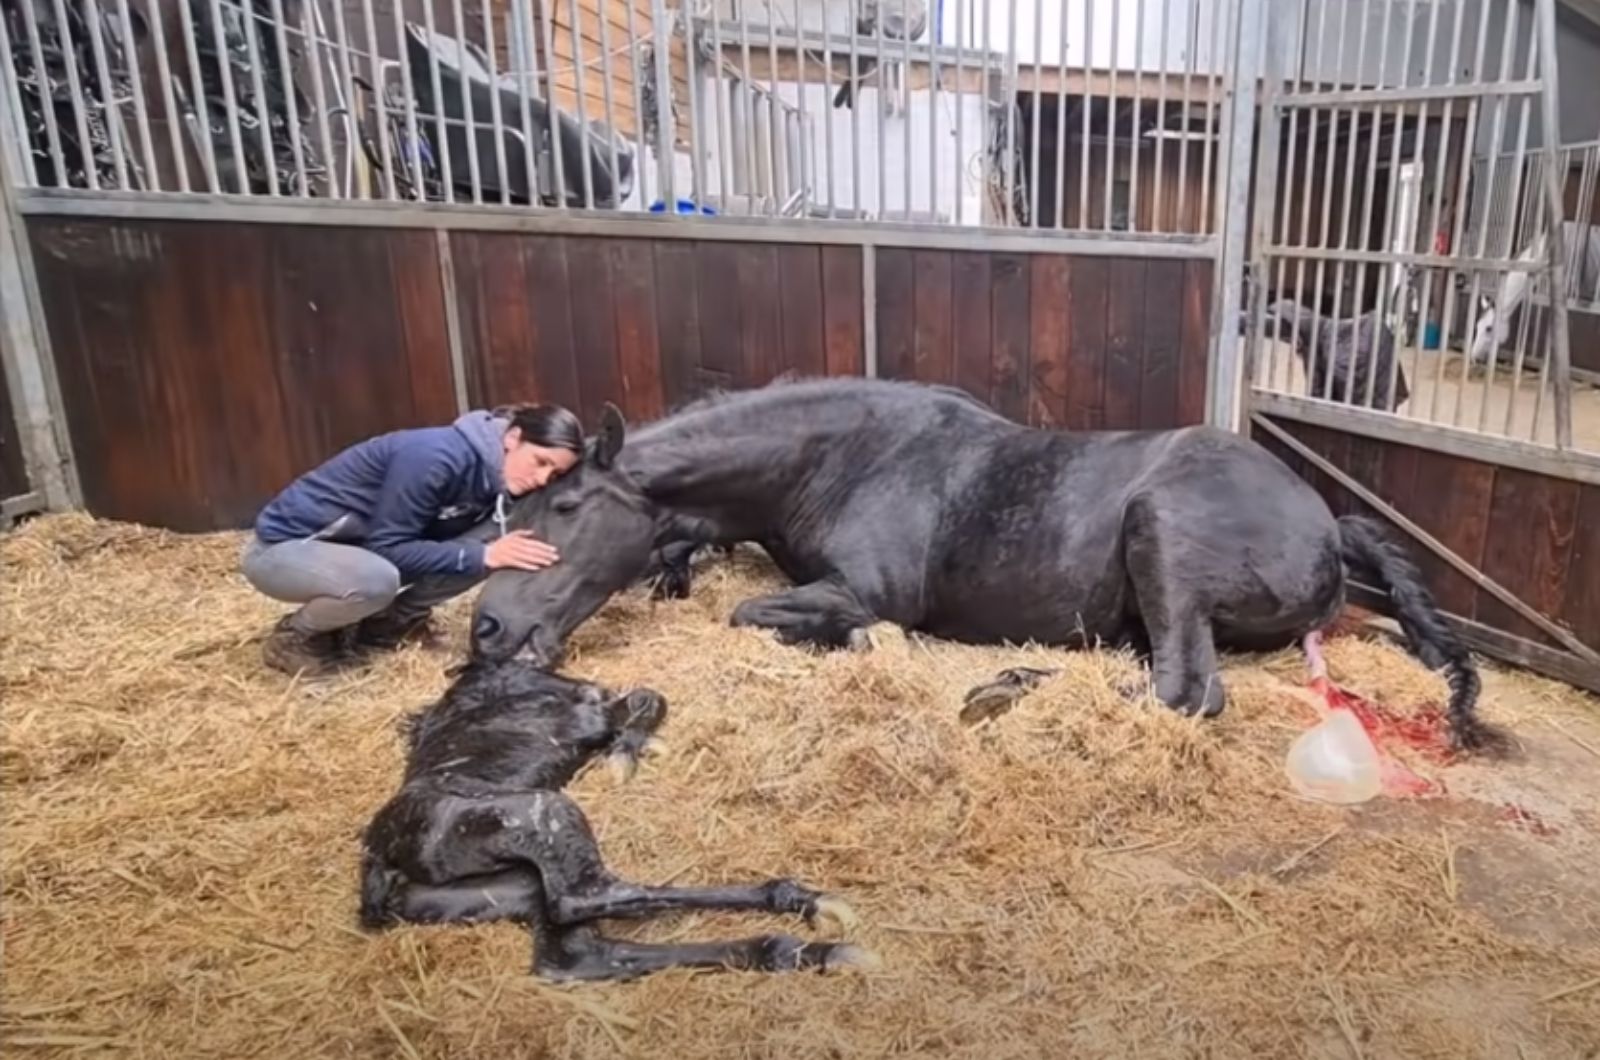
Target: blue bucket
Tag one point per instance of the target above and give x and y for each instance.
(684, 206)
(1430, 337)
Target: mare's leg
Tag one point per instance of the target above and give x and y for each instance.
(582, 953)
(822, 614)
(1162, 567)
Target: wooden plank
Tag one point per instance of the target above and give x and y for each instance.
(1451, 502)
(973, 307)
(677, 318)
(720, 312)
(1163, 344)
(551, 352)
(13, 465)
(933, 358)
(1531, 527)
(594, 325)
(760, 314)
(1087, 308)
(424, 334)
(633, 275)
(1580, 601)
(842, 310)
(1047, 309)
(1125, 309)
(896, 313)
(803, 351)
(1364, 463)
(1012, 323)
(1196, 342)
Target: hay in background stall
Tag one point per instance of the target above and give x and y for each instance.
(1085, 876)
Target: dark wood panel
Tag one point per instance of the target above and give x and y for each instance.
(13, 466)
(896, 313)
(1451, 502)
(1125, 313)
(842, 308)
(633, 274)
(1087, 305)
(972, 305)
(720, 345)
(800, 291)
(204, 365)
(1012, 325)
(760, 315)
(1196, 342)
(1530, 532)
(592, 310)
(933, 354)
(1163, 344)
(1047, 405)
(678, 319)
(1580, 599)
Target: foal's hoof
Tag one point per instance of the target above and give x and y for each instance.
(624, 764)
(988, 701)
(832, 915)
(847, 957)
(861, 639)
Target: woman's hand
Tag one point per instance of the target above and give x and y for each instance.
(519, 550)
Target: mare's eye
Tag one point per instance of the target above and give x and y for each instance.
(565, 505)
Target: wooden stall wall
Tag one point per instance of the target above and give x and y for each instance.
(1536, 535)
(649, 323)
(13, 464)
(1052, 340)
(204, 365)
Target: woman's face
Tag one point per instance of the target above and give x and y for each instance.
(530, 467)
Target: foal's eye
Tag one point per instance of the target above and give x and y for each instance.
(566, 505)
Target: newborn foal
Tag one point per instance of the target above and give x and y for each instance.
(481, 831)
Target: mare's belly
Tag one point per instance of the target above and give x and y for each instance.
(1057, 598)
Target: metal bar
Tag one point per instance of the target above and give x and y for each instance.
(1083, 156)
(805, 153)
(1524, 329)
(1327, 212)
(1349, 193)
(666, 131)
(1193, 27)
(1306, 196)
(349, 103)
(1267, 183)
(1419, 94)
(1136, 139)
(319, 89)
(207, 152)
(1416, 161)
(608, 100)
(80, 116)
(905, 89)
(230, 98)
(258, 88)
(496, 109)
(409, 101)
(469, 119)
(1266, 176)
(640, 169)
(553, 109)
(937, 81)
(141, 108)
(1060, 162)
(747, 117)
(697, 146)
(1227, 385)
(960, 180)
(1161, 119)
(26, 174)
(44, 87)
(375, 69)
(855, 120)
(1550, 125)
(881, 98)
(527, 74)
(580, 81)
(1036, 125)
(175, 122)
(1392, 200)
(869, 309)
(296, 148)
(844, 232)
(1483, 581)
(1111, 118)
(827, 110)
(1219, 65)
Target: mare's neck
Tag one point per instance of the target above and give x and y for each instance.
(707, 463)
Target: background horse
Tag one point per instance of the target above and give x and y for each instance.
(915, 504)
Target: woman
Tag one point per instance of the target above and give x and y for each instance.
(369, 542)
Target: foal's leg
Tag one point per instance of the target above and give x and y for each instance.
(634, 718)
(822, 614)
(1165, 586)
(580, 953)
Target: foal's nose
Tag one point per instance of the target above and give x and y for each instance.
(486, 629)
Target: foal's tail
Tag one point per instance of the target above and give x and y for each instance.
(1373, 555)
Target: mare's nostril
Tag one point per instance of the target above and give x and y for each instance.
(487, 627)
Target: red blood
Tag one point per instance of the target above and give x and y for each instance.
(1424, 732)
(1525, 819)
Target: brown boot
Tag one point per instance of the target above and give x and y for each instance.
(385, 631)
(306, 654)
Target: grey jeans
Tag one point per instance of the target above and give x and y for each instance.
(338, 584)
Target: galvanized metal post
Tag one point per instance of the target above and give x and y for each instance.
(25, 346)
(1561, 351)
(1273, 73)
(1224, 373)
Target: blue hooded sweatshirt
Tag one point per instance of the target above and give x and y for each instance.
(406, 495)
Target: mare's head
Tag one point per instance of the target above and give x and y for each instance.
(603, 528)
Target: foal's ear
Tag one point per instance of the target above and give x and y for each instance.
(613, 431)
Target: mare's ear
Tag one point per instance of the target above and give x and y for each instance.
(613, 432)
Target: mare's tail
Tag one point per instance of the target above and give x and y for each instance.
(1373, 555)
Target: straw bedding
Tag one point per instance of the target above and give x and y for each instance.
(1085, 876)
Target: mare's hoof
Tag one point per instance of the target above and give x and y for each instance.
(833, 915)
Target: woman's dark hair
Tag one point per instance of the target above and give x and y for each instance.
(548, 425)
